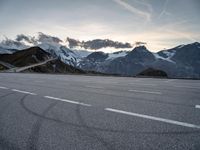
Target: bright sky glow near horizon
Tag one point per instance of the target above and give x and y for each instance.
(160, 23)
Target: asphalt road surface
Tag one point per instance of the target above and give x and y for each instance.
(74, 112)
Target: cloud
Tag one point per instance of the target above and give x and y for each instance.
(28, 39)
(73, 42)
(12, 44)
(47, 38)
(179, 30)
(40, 38)
(138, 43)
(147, 5)
(164, 10)
(134, 10)
(97, 44)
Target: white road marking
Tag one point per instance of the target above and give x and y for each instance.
(96, 87)
(5, 88)
(155, 118)
(68, 101)
(190, 87)
(149, 92)
(197, 106)
(170, 80)
(24, 92)
(142, 84)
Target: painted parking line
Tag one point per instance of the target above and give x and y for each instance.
(148, 92)
(197, 106)
(145, 84)
(66, 100)
(189, 87)
(184, 124)
(24, 92)
(5, 88)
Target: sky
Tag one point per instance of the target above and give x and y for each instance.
(160, 23)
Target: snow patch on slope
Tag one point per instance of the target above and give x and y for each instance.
(82, 53)
(117, 54)
(169, 54)
(180, 46)
(157, 56)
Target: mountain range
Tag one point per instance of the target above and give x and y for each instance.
(179, 62)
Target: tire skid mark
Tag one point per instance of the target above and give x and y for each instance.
(3, 96)
(65, 123)
(32, 142)
(129, 97)
(5, 144)
(89, 131)
(2, 101)
(6, 106)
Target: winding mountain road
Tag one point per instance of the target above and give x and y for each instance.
(20, 69)
(6, 64)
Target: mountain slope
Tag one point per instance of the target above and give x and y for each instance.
(36, 55)
(56, 66)
(25, 57)
(185, 61)
(134, 62)
(179, 62)
(50, 44)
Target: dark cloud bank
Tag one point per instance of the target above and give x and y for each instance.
(97, 44)
(73, 43)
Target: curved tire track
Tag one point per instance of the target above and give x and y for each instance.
(34, 135)
(89, 131)
(65, 123)
(4, 143)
